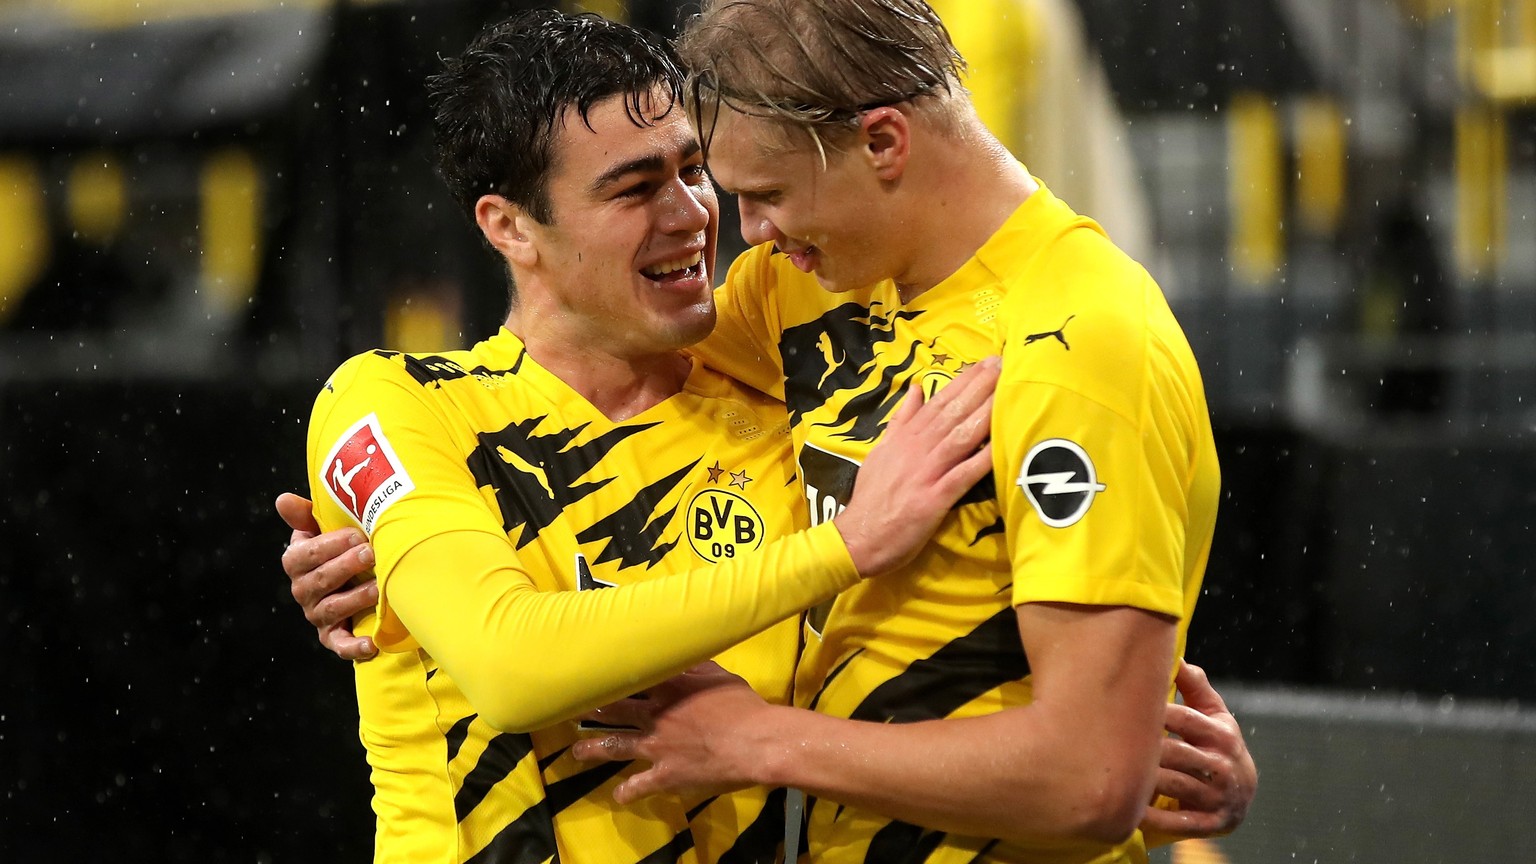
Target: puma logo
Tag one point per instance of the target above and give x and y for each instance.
(1059, 333)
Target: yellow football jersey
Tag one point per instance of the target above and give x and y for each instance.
(690, 504)
(1104, 487)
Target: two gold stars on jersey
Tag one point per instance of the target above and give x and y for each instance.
(723, 524)
(935, 377)
(738, 478)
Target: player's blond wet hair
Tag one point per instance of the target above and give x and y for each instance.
(817, 66)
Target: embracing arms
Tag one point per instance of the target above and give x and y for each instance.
(462, 593)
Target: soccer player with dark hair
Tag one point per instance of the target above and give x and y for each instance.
(578, 449)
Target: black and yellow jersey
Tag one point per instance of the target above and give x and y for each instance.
(1104, 486)
(481, 476)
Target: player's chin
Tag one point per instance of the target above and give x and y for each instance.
(690, 324)
(837, 280)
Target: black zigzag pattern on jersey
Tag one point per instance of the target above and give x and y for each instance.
(988, 656)
(432, 369)
(530, 838)
(984, 852)
(564, 792)
(996, 527)
(633, 536)
(898, 842)
(535, 477)
(758, 843)
(832, 676)
(902, 843)
(499, 760)
(672, 851)
(456, 735)
(836, 352)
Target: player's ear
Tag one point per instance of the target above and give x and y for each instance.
(507, 228)
(886, 139)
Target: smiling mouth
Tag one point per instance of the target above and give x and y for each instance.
(675, 269)
(801, 257)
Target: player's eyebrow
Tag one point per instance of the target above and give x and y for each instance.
(649, 164)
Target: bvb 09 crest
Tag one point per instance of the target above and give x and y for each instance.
(723, 525)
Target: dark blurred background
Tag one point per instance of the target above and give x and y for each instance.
(205, 207)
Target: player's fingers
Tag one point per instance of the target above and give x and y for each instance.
(1196, 690)
(970, 430)
(1188, 758)
(1180, 823)
(307, 555)
(959, 424)
(976, 382)
(959, 479)
(640, 785)
(311, 587)
(338, 608)
(1199, 729)
(1193, 792)
(911, 404)
(613, 747)
(626, 712)
(341, 642)
(297, 512)
(701, 677)
(959, 397)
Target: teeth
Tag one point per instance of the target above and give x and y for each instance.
(666, 267)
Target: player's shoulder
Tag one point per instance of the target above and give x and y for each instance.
(431, 370)
(1085, 316)
(1082, 276)
(383, 381)
(741, 406)
(366, 366)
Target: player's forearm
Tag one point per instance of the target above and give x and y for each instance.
(1017, 774)
(527, 659)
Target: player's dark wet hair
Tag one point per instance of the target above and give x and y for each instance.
(496, 106)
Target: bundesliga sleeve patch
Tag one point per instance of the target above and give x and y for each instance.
(363, 474)
(1059, 481)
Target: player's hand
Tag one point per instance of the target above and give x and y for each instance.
(933, 451)
(694, 729)
(321, 568)
(1207, 768)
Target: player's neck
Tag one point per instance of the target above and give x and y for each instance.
(967, 194)
(618, 386)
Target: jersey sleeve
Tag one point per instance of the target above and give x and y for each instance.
(451, 582)
(1092, 451)
(527, 659)
(745, 341)
(382, 459)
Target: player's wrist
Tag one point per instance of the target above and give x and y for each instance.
(771, 748)
(869, 556)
